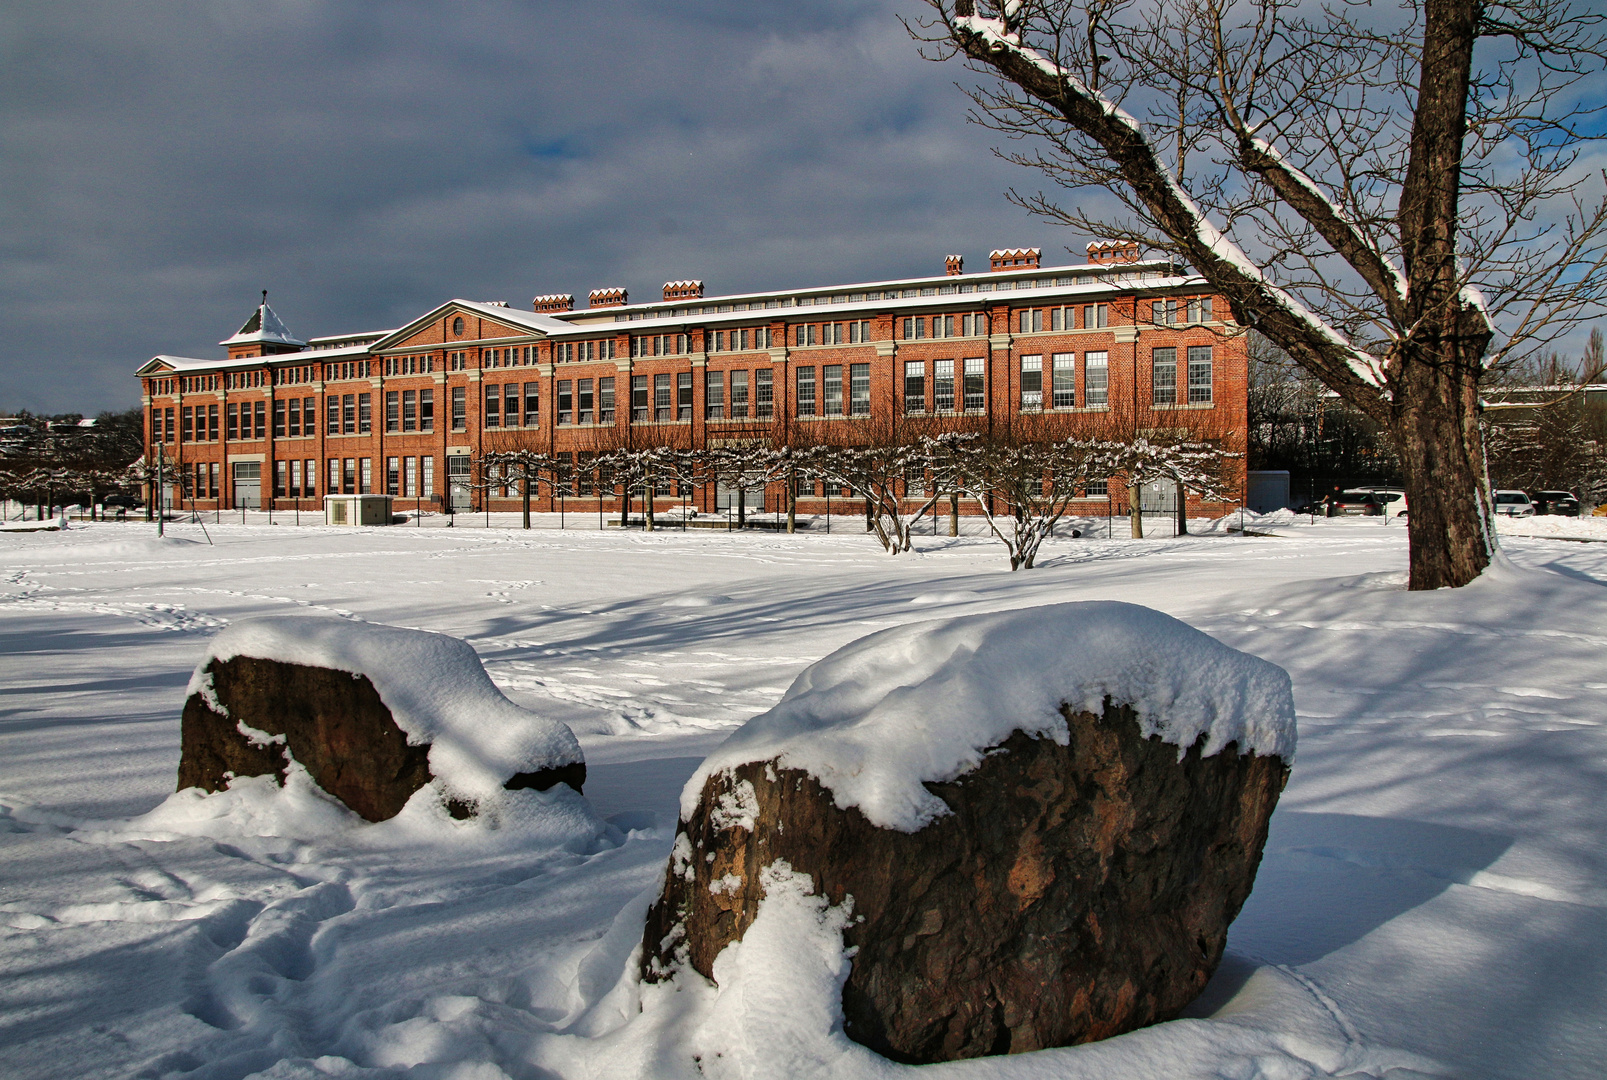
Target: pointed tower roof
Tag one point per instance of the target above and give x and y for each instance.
(265, 327)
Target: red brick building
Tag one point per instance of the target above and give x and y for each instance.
(1114, 347)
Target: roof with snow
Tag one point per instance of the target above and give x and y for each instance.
(264, 325)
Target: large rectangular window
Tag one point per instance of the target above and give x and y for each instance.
(858, 389)
(1032, 383)
(683, 395)
(234, 422)
(943, 385)
(605, 399)
(492, 416)
(639, 399)
(975, 388)
(1065, 380)
(365, 414)
(393, 411)
(566, 401)
(410, 478)
(312, 478)
(409, 410)
(831, 389)
(1163, 376)
(426, 410)
(427, 481)
(295, 478)
(1095, 316)
(348, 414)
(806, 391)
(1199, 374)
(332, 420)
(510, 404)
(914, 387)
(663, 403)
(739, 395)
(714, 395)
(1031, 320)
(188, 432)
(168, 434)
(334, 476)
(1096, 379)
(460, 408)
(366, 483)
(393, 476)
(585, 403)
(259, 413)
(764, 394)
(212, 423)
(914, 329)
(532, 404)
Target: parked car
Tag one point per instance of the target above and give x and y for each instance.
(1391, 501)
(1349, 503)
(1556, 503)
(122, 502)
(1513, 504)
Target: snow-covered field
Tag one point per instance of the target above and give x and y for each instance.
(1433, 900)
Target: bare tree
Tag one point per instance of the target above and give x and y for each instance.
(1393, 205)
(887, 468)
(1035, 480)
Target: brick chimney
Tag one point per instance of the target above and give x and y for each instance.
(1105, 252)
(554, 302)
(954, 264)
(1014, 258)
(683, 290)
(608, 298)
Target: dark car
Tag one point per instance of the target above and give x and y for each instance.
(1556, 503)
(122, 502)
(1354, 502)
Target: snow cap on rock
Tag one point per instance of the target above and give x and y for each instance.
(434, 686)
(922, 703)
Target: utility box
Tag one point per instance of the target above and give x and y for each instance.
(357, 509)
(1268, 491)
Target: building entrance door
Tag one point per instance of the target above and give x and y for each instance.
(459, 488)
(248, 484)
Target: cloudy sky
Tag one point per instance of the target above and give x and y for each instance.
(363, 160)
(163, 161)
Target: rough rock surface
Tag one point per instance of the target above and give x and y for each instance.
(332, 722)
(1074, 893)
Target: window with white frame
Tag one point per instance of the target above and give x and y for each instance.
(943, 386)
(914, 387)
(974, 389)
(1096, 379)
(1065, 380)
(1163, 376)
(1199, 361)
(1032, 383)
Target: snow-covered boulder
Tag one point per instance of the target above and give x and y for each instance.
(1040, 822)
(374, 714)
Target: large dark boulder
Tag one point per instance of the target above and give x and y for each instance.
(1035, 825)
(252, 715)
(1072, 893)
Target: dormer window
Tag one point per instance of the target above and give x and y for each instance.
(457, 326)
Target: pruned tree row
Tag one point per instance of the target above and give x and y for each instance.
(1023, 488)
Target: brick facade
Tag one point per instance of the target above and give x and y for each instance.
(888, 359)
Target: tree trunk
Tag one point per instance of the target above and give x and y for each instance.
(1136, 515)
(524, 493)
(954, 514)
(648, 492)
(1182, 510)
(742, 508)
(1436, 434)
(870, 516)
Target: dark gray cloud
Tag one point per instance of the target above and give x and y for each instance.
(363, 161)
